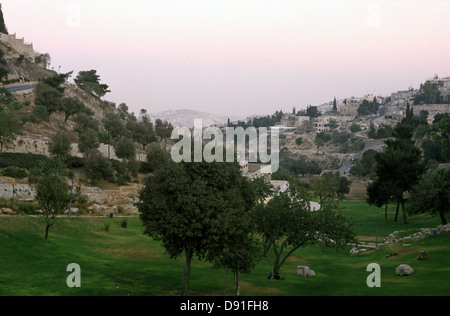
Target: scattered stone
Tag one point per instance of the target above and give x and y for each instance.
(424, 232)
(305, 271)
(423, 255)
(404, 270)
(7, 211)
(73, 210)
(356, 250)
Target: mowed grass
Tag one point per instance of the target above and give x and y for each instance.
(124, 261)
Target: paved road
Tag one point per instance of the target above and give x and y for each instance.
(20, 88)
(381, 113)
(346, 168)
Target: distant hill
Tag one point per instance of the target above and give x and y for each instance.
(186, 117)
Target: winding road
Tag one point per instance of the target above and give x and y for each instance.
(18, 88)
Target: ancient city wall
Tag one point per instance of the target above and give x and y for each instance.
(19, 45)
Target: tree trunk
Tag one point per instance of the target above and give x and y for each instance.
(443, 220)
(405, 219)
(276, 265)
(237, 281)
(50, 221)
(46, 231)
(385, 214)
(267, 246)
(187, 271)
(396, 212)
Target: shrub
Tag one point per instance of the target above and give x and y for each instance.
(15, 105)
(24, 161)
(124, 223)
(14, 172)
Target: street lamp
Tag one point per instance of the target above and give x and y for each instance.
(376, 241)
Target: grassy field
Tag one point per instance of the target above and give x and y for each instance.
(123, 261)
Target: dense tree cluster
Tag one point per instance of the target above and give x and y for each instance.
(368, 107)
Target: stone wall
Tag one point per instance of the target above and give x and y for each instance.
(19, 45)
(19, 192)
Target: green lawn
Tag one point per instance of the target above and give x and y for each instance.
(124, 262)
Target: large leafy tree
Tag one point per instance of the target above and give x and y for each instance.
(287, 224)
(49, 97)
(52, 193)
(445, 138)
(432, 194)
(163, 130)
(193, 209)
(9, 128)
(114, 124)
(399, 167)
(60, 145)
(89, 81)
(71, 107)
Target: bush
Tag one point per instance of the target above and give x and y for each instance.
(14, 172)
(24, 161)
(15, 105)
(124, 223)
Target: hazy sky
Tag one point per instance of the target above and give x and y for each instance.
(240, 57)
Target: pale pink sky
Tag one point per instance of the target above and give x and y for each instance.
(240, 57)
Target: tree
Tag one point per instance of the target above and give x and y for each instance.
(98, 167)
(429, 94)
(355, 128)
(191, 208)
(71, 106)
(57, 80)
(333, 124)
(368, 107)
(9, 128)
(334, 106)
(142, 132)
(52, 194)
(4, 72)
(342, 184)
(3, 28)
(239, 249)
(432, 194)
(89, 81)
(313, 112)
(445, 138)
(157, 157)
(88, 142)
(126, 150)
(322, 138)
(163, 130)
(325, 187)
(365, 167)
(287, 224)
(40, 114)
(400, 165)
(379, 194)
(60, 146)
(49, 97)
(84, 122)
(114, 124)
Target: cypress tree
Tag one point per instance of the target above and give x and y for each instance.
(3, 28)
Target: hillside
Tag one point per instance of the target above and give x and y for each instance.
(185, 117)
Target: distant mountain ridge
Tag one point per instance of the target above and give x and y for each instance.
(186, 117)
